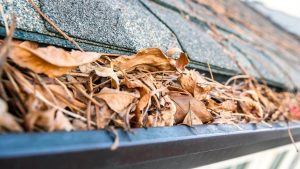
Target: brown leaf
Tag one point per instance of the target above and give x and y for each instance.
(201, 91)
(26, 58)
(251, 107)
(187, 83)
(118, 101)
(29, 44)
(229, 105)
(191, 80)
(151, 59)
(213, 105)
(185, 103)
(7, 121)
(191, 119)
(145, 97)
(79, 125)
(49, 119)
(51, 60)
(65, 97)
(168, 114)
(165, 117)
(102, 72)
(60, 57)
(182, 61)
(104, 114)
(172, 51)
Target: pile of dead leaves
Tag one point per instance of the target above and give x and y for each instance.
(50, 89)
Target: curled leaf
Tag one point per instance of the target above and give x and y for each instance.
(151, 59)
(26, 58)
(145, 97)
(50, 61)
(182, 61)
(61, 57)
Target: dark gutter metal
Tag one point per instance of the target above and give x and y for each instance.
(166, 147)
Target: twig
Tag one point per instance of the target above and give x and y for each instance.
(115, 136)
(291, 137)
(237, 77)
(54, 26)
(210, 72)
(64, 87)
(4, 20)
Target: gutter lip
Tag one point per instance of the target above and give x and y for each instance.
(176, 142)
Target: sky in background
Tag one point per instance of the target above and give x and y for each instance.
(291, 7)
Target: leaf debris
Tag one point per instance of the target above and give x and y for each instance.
(51, 89)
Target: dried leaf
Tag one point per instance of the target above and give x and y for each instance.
(184, 104)
(60, 57)
(118, 101)
(295, 112)
(182, 61)
(191, 80)
(102, 72)
(151, 59)
(229, 105)
(104, 115)
(187, 83)
(191, 119)
(26, 58)
(7, 121)
(79, 125)
(48, 118)
(168, 114)
(143, 102)
(51, 60)
(65, 98)
(251, 107)
(201, 91)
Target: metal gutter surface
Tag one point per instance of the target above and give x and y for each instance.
(165, 147)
